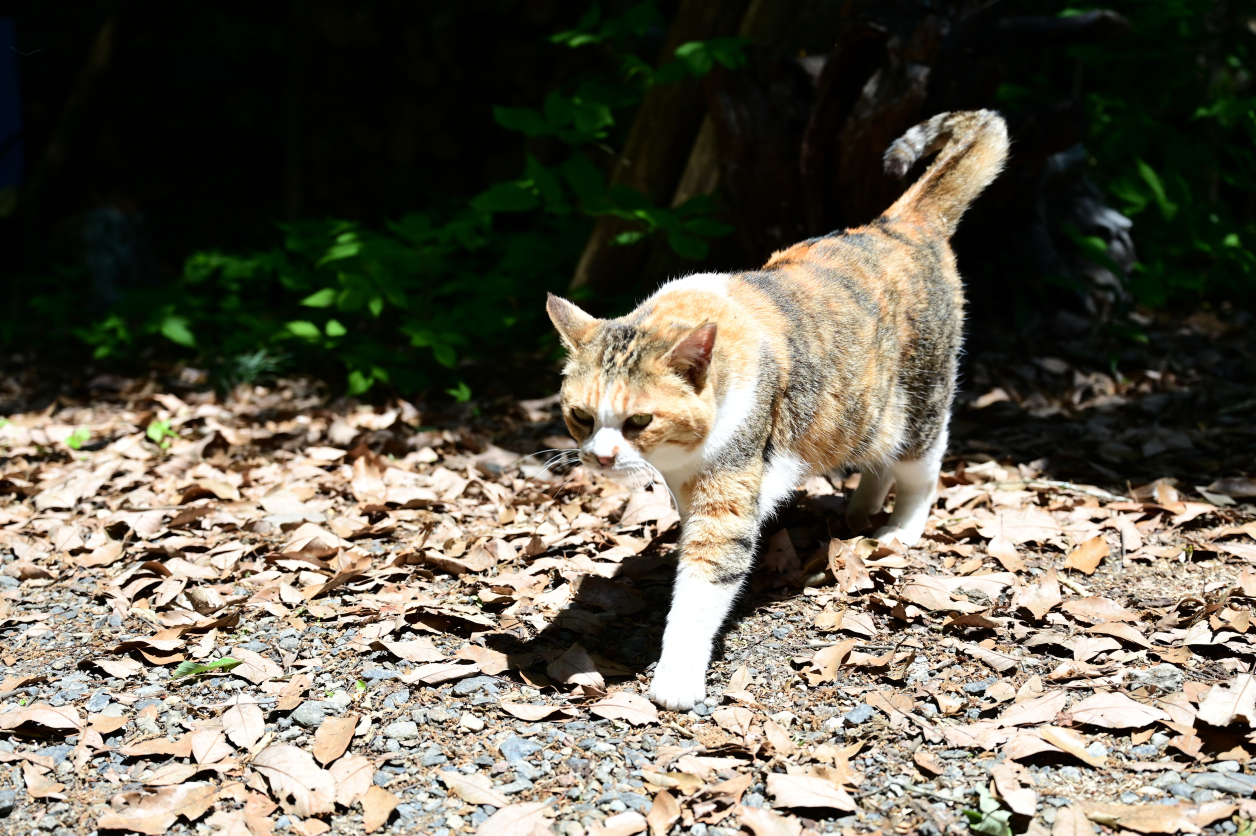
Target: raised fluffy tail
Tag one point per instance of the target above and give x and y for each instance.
(972, 145)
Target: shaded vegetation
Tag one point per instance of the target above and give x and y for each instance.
(418, 302)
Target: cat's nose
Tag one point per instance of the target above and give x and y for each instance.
(607, 461)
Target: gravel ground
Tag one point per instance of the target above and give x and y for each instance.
(416, 632)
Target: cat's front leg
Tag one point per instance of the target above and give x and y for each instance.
(716, 551)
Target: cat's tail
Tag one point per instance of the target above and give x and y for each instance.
(972, 145)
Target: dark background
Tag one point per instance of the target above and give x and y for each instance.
(172, 176)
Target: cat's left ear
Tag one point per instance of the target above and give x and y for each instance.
(691, 357)
(573, 324)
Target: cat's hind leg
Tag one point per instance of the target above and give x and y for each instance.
(916, 482)
(869, 496)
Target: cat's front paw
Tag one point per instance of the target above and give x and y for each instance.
(678, 688)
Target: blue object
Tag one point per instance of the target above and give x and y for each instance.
(12, 158)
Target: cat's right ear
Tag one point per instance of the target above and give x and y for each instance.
(574, 325)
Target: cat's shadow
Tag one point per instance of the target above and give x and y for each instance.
(620, 620)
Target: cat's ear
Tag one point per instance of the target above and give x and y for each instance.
(691, 357)
(573, 324)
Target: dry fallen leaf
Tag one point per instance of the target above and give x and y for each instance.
(808, 791)
(244, 724)
(1114, 710)
(333, 737)
(1040, 599)
(734, 719)
(664, 813)
(1087, 557)
(298, 782)
(474, 789)
(154, 812)
(1035, 711)
(1158, 818)
(1230, 701)
(352, 775)
(575, 667)
(620, 824)
(764, 822)
(625, 705)
(1071, 821)
(63, 720)
(377, 805)
(526, 819)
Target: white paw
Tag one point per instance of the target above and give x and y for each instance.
(893, 532)
(678, 688)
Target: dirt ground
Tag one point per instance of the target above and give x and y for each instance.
(267, 611)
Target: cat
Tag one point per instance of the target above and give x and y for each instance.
(734, 388)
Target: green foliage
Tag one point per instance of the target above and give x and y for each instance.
(406, 305)
(989, 818)
(190, 668)
(1173, 138)
(160, 433)
(78, 438)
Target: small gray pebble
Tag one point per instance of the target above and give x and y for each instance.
(702, 709)
(57, 753)
(513, 787)
(780, 632)
(1146, 750)
(1072, 773)
(382, 778)
(515, 748)
(309, 714)
(475, 683)
(1181, 789)
(402, 730)
(377, 674)
(8, 799)
(1128, 797)
(98, 702)
(861, 713)
(976, 687)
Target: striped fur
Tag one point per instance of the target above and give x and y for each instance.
(840, 352)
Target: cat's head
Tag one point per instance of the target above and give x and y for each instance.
(635, 392)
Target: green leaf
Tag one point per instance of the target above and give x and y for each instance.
(522, 119)
(989, 819)
(686, 246)
(1167, 207)
(175, 329)
(359, 383)
(190, 668)
(158, 431)
(78, 438)
(333, 328)
(445, 355)
(505, 197)
(628, 238)
(322, 299)
(340, 252)
(376, 305)
(304, 329)
(460, 393)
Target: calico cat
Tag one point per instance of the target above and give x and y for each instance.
(840, 352)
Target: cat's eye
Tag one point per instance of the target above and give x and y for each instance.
(581, 417)
(637, 422)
